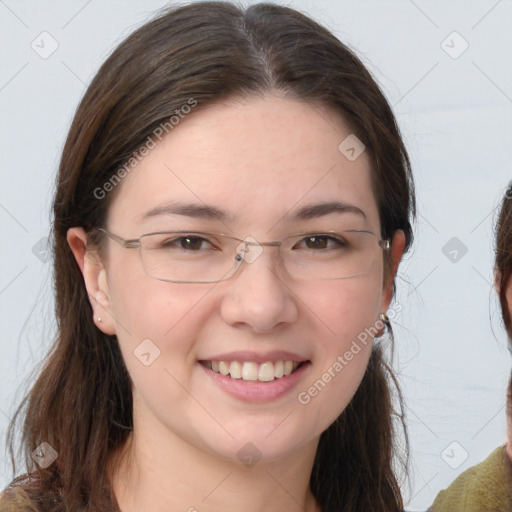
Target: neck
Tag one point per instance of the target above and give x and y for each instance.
(160, 471)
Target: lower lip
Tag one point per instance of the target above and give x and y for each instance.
(257, 391)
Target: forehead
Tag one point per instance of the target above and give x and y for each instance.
(258, 160)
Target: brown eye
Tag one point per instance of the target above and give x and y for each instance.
(187, 243)
(322, 242)
(191, 242)
(317, 242)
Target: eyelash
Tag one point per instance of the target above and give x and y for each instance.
(338, 241)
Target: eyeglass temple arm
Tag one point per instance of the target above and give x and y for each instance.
(127, 244)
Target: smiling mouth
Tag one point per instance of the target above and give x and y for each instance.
(252, 371)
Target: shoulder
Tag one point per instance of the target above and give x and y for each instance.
(484, 487)
(15, 499)
(20, 496)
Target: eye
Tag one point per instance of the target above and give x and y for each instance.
(321, 241)
(192, 243)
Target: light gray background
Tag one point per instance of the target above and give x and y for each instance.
(455, 115)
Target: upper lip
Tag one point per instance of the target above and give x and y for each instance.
(257, 357)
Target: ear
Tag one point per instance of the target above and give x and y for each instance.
(95, 278)
(397, 250)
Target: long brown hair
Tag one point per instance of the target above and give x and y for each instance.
(81, 403)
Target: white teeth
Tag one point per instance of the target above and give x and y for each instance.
(288, 367)
(235, 370)
(279, 369)
(266, 372)
(223, 368)
(249, 370)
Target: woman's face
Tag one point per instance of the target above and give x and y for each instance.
(260, 161)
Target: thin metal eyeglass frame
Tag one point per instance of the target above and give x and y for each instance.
(135, 243)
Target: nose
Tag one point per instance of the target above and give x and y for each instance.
(258, 296)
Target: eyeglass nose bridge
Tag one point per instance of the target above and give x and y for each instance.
(243, 253)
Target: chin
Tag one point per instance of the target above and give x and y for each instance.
(259, 444)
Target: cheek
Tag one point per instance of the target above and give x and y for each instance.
(352, 318)
(154, 317)
(348, 317)
(331, 389)
(346, 308)
(144, 307)
(156, 330)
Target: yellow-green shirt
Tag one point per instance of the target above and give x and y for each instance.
(486, 487)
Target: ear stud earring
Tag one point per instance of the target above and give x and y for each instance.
(384, 318)
(99, 319)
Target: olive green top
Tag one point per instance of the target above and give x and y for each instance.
(486, 487)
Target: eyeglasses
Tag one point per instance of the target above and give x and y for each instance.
(201, 257)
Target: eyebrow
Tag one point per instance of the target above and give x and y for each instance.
(208, 212)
